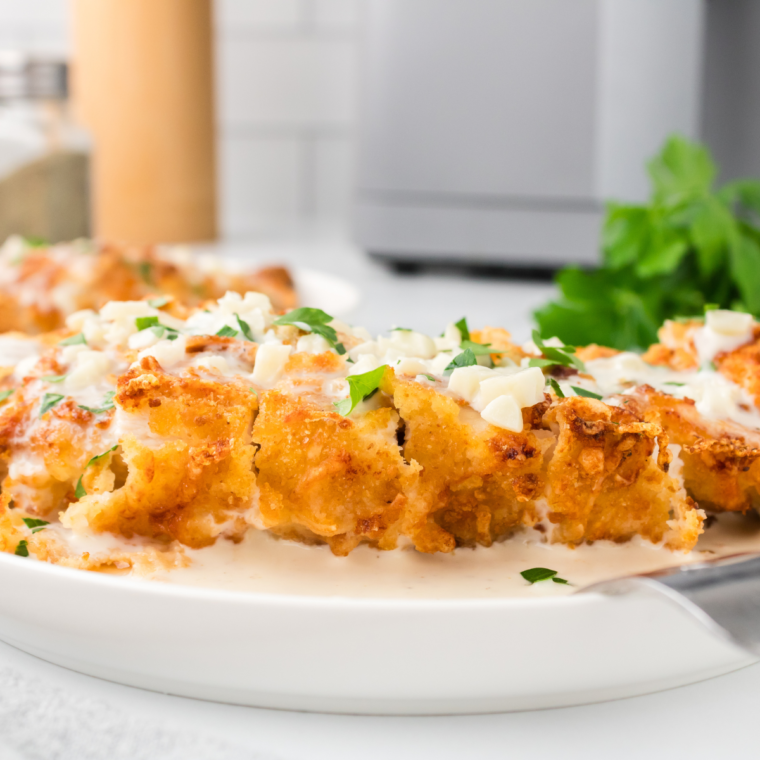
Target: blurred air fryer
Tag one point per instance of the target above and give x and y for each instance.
(493, 131)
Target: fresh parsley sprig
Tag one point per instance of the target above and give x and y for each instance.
(74, 340)
(692, 245)
(360, 387)
(313, 320)
(563, 356)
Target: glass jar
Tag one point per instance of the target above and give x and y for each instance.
(44, 155)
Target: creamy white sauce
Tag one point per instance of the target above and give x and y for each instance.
(716, 396)
(264, 564)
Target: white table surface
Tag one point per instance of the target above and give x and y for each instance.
(50, 713)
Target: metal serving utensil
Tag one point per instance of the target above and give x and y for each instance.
(723, 594)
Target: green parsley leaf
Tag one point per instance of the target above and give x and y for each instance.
(561, 355)
(74, 340)
(34, 524)
(227, 332)
(49, 400)
(464, 331)
(559, 580)
(6, 394)
(254, 391)
(536, 574)
(157, 303)
(145, 269)
(107, 404)
(586, 394)
(672, 382)
(465, 359)
(310, 320)
(79, 491)
(555, 387)
(22, 549)
(402, 329)
(245, 328)
(53, 378)
(431, 378)
(360, 387)
(479, 349)
(98, 457)
(143, 323)
(340, 348)
(31, 241)
(690, 246)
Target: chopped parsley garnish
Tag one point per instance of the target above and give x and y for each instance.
(53, 378)
(672, 382)
(143, 323)
(245, 328)
(22, 549)
(360, 387)
(431, 378)
(564, 356)
(107, 404)
(49, 400)
(6, 394)
(157, 303)
(479, 349)
(312, 320)
(146, 272)
(402, 329)
(80, 490)
(161, 331)
(340, 348)
(32, 241)
(586, 394)
(34, 524)
(464, 331)
(254, 391)
(555, 387)
(465, 359)
(536, 574)
(227, 332)
(74, 340)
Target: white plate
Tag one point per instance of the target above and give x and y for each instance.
(336, 654)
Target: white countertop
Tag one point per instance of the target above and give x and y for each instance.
(50, 713)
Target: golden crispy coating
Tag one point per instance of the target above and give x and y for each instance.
(189, 460)
(721, 459)
(676, 347)
(605, 483)
(477, 482)
(324, 476)
(742, 366)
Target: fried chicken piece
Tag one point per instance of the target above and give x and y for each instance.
(607, 485)
(186, 445)
(325, 477)
(721, 459)
(676, 347)
(44, 285)
(478, 482)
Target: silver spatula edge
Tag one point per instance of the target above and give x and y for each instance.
(722, 594)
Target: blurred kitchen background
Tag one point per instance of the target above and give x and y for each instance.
(475, 131)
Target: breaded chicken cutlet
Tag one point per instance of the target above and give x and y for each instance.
(41, 285)
(179, 428)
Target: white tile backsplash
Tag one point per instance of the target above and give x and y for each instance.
(297, 80)
(260, 183)
(286, 103)
(235, 16)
